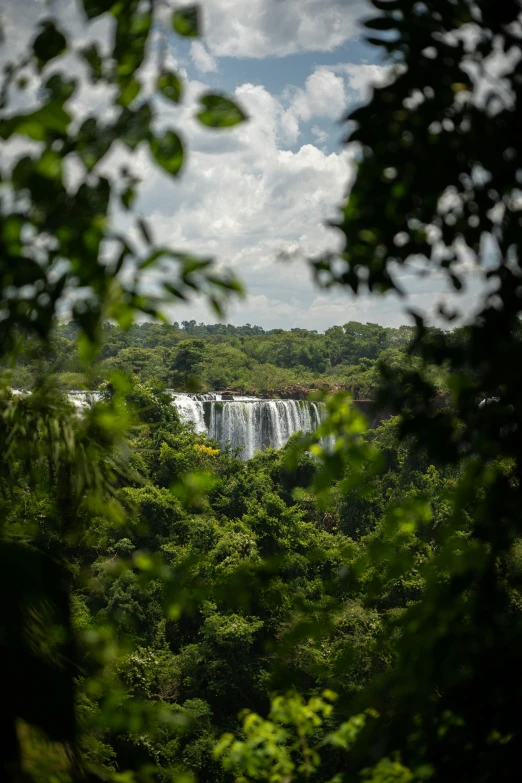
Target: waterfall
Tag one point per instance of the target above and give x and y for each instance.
(248, 423)
(191, 411)
(81, 399)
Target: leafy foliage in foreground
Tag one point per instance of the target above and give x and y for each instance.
(214, 582)
(431, 183)
(59, 247)
(386, 570)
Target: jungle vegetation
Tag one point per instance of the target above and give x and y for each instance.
(219, 356)
(352, 614)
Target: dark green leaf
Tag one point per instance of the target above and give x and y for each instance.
(92, 56)
(170, 86)
(153, 257)
(129, 91)
(132, 32)
(168, 151)
(50, 165)
(11, 233)
(124, 253)
(95, 8)
(220, 112)
(59, 89)
(49, 43)
(93, 141)
(175, 292)
(37, 125)
(40, 687)
(22, 171)
(456, 282)
(185, 21)
(145, 231)
(134, 126)
(376, 41)
(386, 5)
(127, 197)
(381, 23)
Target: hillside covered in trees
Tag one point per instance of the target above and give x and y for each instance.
(203, 583)
(204, 358)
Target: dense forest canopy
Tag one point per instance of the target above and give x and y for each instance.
(347, 608)
(219, 356)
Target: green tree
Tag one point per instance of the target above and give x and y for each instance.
(60, 249)
(431, 183)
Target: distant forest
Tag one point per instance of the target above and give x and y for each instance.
(200, 357)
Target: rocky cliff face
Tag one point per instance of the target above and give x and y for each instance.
(291, 392)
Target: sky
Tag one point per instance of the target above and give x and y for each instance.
(260, 193)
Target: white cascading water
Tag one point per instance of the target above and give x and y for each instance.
(248, 423)
(82, 399)
(191, 411)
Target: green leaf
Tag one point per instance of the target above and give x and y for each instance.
(168, 152)
(49, 43)
(95, 8)
(386, 5)
(86, 348)
(124, 253)
(50, 118)
(11, 233)
(220, 112)
(170, 86)
(129, 91)
(59, 89)
(456, 282)
(50, 165)
(127, 197)
(134, 125)
(175, 292)
(371, 39)
(132, 33)
(185, 21)
(153, 257)
(94, 142)
(145, 231)
(22, 171)
(92, 57)
(381, 23)
(37, 647)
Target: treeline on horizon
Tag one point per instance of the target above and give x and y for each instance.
(205, 357)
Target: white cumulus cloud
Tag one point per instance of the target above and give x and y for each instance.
(362, 77)
(201, 57)
(261, 28)
(243, 196)
(323, 95)
(243, 199)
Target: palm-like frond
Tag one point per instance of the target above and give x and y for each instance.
(85, 455)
